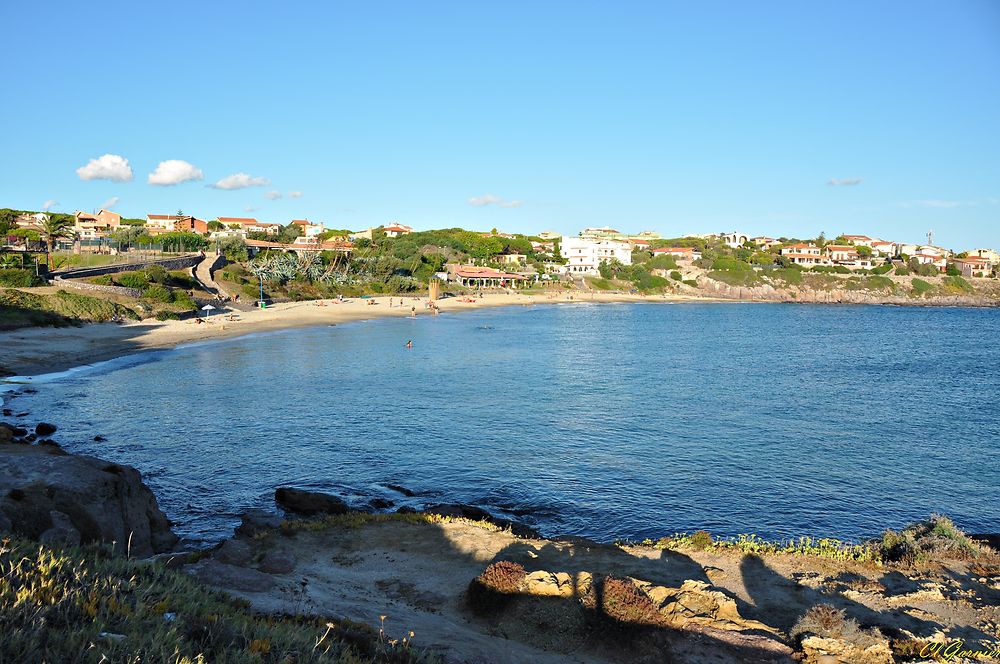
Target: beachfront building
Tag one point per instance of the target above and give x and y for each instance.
(249, 225)
(90, 226)
(473, 276)
(973, 266)
(511, 257)
(543, 247)
(682, 254)
(307, 228)
(639, 244)
(764, 242)
(931, 258)
(157, 224)
(191, 225)
(549, 235)
(990, 255)
(857, 240)
(846, 255)
(584, 255)
(805, 254)
(395, 229)
(883, 247)
(31, 221)
(734, 240)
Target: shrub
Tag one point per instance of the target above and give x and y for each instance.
(953, 272)
(103, 280)
(690, 282)
(676, 276)
(167, 315)
(137, 280)
(183, 300)
(494, 589)
(885, 268)
(828, 622)
(879, 283)
(157, 293)
(902, 271)
(503, 576)
(157, 274)
(935, 539)
(790, 275)
(624, 603)
(18, 278)
(701, 540)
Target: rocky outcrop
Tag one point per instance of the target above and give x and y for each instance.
(309, 503)
(821, 650)
(806, 295)
(64, 499)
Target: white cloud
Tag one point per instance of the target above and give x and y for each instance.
(49, 204)
(110, 203)
(938, 203)
(108, 167)
(240, 181)
(295, 194)
(844, 182)
(174, 171)
(490, 199)
(249, 208)
(272, 195)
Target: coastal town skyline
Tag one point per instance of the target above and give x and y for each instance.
(463, 117)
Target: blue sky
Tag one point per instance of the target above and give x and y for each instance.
(678, 117)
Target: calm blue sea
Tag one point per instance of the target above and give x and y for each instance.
(630, 420)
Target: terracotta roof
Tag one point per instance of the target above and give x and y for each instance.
(972, 259)
(673, 250)
(856, 237)
(237, 220)
(801, 245)
(167, 217)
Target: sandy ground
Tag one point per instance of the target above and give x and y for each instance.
(36, 351)
(417, 575)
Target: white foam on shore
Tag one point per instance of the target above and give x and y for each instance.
(13, 383)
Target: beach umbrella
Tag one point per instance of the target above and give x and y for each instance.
(207, 308)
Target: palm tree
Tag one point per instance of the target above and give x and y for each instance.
(55, 227)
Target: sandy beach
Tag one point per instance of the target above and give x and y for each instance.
(37, 351)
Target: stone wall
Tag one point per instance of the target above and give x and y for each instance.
(178, 263)
(69, 278)
(100, 288)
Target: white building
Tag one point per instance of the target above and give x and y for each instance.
(584, 255)
(735, 240)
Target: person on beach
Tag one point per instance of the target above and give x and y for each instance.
(413, 312)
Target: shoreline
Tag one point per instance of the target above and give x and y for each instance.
(31, 352)
(37, 351)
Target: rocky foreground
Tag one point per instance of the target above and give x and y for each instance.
(468, 588)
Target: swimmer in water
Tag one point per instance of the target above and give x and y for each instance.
(409, 344)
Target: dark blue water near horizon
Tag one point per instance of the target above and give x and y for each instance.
(606, 421)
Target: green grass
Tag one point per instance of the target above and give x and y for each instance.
(600, 283)
(20, 309)
(933, 539)
(735, 277)
(921, 287)
(61, 605)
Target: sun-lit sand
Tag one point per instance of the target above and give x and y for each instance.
(36, 351)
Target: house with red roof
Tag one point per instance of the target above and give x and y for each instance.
(805, 254)
(395, 229)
